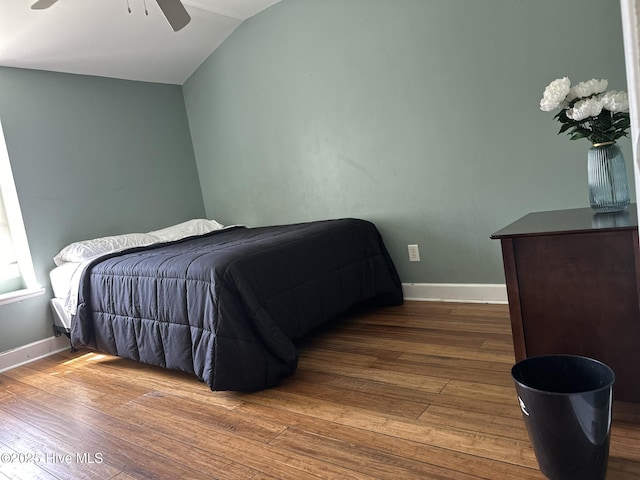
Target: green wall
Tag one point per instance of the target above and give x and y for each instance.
(91, 157)
(420, 115)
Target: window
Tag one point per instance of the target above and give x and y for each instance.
(17, 277)
(10, 278)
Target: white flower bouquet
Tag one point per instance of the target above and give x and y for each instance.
(587, 110)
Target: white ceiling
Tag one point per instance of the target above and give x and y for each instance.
(100, 37)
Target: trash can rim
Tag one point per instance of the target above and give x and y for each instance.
(581, 357)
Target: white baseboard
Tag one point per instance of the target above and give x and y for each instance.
(32, 352)
(456, 292)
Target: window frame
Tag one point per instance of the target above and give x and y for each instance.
(28, 285)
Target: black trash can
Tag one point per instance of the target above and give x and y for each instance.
(566, 404)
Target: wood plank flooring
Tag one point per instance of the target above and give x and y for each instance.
(420, 391)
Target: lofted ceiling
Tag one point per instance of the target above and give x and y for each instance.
(100, 37)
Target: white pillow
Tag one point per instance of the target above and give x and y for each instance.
(198, 226)
(80, 251)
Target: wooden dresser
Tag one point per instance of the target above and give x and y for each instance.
(572, 282)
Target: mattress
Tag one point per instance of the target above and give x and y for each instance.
(61, 283)
(61, 279)
(61, 317)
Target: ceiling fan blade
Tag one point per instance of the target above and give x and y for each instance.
(42, 4)
(174, 12)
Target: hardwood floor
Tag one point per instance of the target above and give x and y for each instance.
(421, 391)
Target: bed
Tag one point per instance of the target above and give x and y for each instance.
(228, 305)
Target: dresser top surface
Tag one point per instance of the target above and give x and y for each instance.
(576, 220)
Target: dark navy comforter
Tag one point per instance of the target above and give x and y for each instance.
(227, 306)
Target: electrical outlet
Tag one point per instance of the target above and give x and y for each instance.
(414, 253)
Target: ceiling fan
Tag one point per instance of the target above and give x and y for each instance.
(173, 10)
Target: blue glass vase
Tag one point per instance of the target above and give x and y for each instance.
(607, 177)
